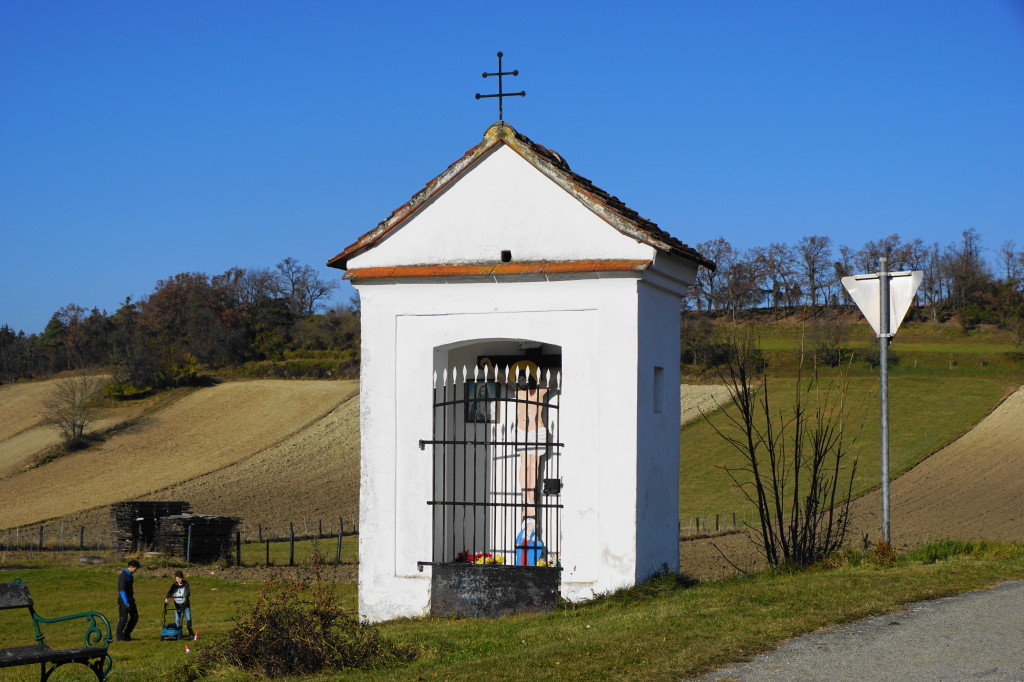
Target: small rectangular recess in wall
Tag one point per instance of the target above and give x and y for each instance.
(658, 386)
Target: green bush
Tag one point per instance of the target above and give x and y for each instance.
(304, 368)
(297, 628)
(873, 356)
(940, 550)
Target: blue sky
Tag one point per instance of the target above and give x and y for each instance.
(143, 139)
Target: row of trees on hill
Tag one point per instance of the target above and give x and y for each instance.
(958, 280)
(193, 319)
(190, 319)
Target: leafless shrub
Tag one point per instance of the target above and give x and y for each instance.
(69, 409)
(794, 460)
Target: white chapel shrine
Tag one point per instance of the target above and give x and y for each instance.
(519, 389)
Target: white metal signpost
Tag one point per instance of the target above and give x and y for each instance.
(884, 297)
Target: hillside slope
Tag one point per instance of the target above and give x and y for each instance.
(197, 436)
(278, 451)
(972, 488)
(227, 450)
(23, 433)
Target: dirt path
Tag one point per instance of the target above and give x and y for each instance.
(695, 400)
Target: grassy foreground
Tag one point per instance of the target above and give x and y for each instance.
(663, 630)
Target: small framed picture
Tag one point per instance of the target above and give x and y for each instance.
(481, 401)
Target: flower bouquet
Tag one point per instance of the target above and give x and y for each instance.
(479, 558)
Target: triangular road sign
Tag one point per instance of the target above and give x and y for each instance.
(864, 290)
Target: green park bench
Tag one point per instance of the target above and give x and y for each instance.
(14, 595)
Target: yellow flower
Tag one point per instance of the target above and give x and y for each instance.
(541, 562)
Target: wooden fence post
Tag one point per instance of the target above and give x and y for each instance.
(291, 543)
(238, 548)
(268, 553)
(337, 552)
(259, 531)
(81, 538)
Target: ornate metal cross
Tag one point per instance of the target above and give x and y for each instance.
(501, 94)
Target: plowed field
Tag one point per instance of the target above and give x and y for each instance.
(236, 448)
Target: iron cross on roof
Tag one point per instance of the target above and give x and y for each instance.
(501, 94)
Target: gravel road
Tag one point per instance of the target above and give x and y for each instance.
(972, 636)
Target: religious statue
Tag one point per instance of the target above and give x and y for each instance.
(530, 444)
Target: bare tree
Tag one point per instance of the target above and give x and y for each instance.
(891, 247)
(1011, 263)
(967, 268)
(933, 283)
(304, 290)
(69, 409)
(742, 286)
(777, 267)
(913, 254)
(794, 467)
(827, 334)
(710, 282)
(814, 257)
(249, 287)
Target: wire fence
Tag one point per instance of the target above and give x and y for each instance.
(251, 544)
(707, 523)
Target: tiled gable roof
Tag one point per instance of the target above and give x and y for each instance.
(549, 162)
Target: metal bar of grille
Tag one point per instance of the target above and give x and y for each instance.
(497, 473)
(481, 443)
(496, 505)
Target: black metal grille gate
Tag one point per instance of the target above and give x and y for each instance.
(496, 462)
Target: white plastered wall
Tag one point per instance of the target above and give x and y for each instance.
(657, 410)
(502, 204)
(594, 323)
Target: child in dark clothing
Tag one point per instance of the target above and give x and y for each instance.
(180, 593)
(128, 613)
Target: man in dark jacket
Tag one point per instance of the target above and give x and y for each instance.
(180, 593)
(127, 612)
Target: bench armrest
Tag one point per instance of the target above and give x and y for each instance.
(96, 622)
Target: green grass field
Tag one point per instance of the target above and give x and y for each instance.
(659, 631)
(916, 348)
(943, 382)
(255, 553)
(924, 414)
